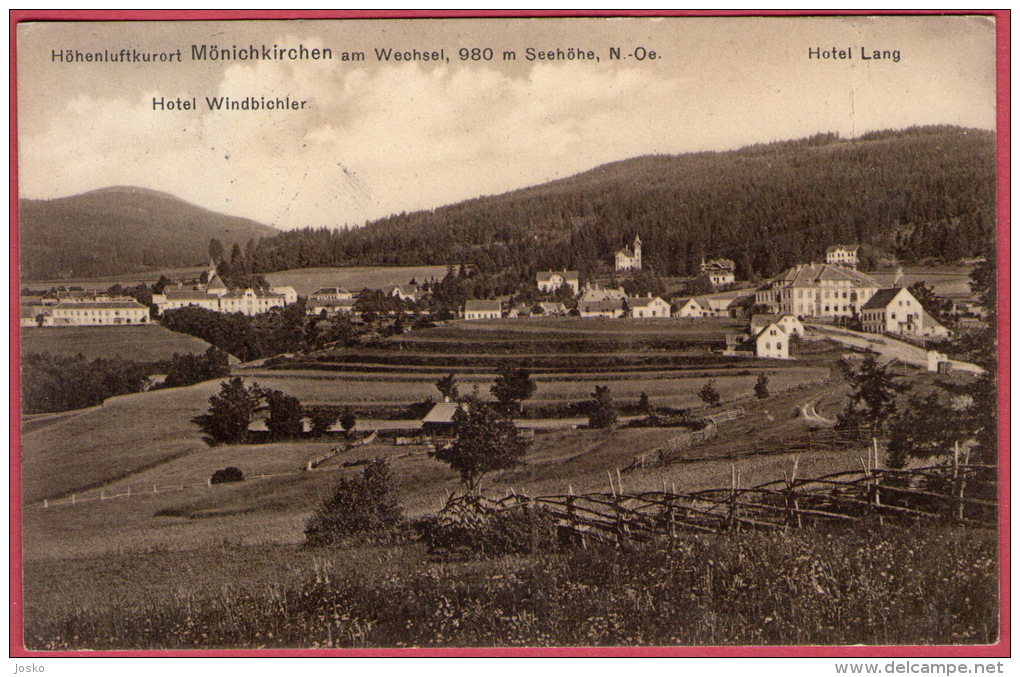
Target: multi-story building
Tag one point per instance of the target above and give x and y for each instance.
(842, 255)
(719, 271)
(331, 294)
(173, 299)
(897, 311)
(250, 301)
(817, 290)
(772, 342)
(628, 258)
(96, 313)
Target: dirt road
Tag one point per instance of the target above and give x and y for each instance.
(888, 348)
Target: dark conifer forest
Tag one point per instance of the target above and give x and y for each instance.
(921, 193)
(915, 194)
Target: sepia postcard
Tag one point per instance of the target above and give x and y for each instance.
(639, 334)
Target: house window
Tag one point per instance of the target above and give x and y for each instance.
(779, 346)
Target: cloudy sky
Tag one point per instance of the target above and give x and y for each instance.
(378, 138)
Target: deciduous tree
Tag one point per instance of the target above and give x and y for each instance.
(485, 442)
(230, 411)
(603, 412)
(512, 387)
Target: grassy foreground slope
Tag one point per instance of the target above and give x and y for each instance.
(115, 440)
(920, 587)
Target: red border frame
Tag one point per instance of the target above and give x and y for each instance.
(1000, 649)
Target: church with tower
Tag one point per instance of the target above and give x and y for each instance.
(628, 258)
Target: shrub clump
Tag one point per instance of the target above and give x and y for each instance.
(358, 506)
(228, 474)
(517, 531)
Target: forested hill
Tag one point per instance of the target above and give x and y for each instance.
(917, 193)
(121, 230)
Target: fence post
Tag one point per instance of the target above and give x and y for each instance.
(792, 505)
(959, 482)
(45, 503)
(732, 519)
(620, 524)
(72, 499)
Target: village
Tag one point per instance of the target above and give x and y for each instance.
(775, 311)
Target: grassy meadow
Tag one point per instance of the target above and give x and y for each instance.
(355, 278)
(225, 566)
(179, 564)
(146, 343)
(844, 587)
(128, 279)
(667, 389)
(945, 280)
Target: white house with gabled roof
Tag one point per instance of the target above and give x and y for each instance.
(790, 324)
(690, 308)
(772, 342)
(478, 309)
(549, 281)
(897, 311)
(647, 306)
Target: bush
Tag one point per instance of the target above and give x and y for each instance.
(365, 505)
(229, 474)
(517, 531)
(672, 418)
(709, 395)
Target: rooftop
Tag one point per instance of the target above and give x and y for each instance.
(101, 305)
(546, 275)
(478, 304)
(882, 298)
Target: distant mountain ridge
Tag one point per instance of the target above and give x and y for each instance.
(119, 230)
(917, 193)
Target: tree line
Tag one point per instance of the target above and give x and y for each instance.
(917, 194)
(52, 383)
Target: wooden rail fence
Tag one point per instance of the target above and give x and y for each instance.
(961, 493)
